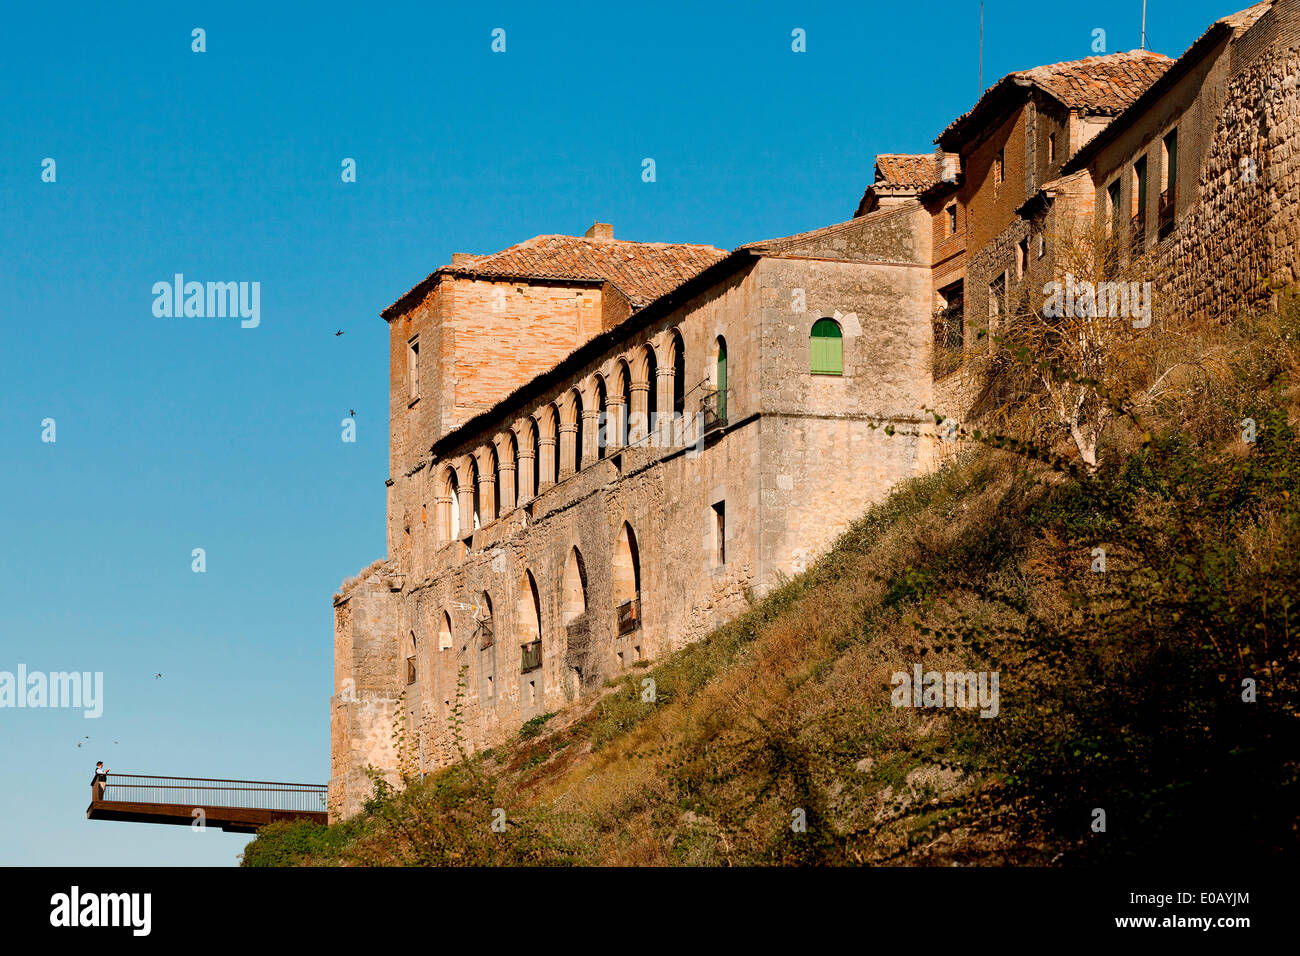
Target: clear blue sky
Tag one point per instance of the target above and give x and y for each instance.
(174, 434)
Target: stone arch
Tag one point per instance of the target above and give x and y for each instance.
(645, 401)
(515, 483)
(571, 432)
(534, 439)
(528, 610)
(410, 651)
(678, 364)
(624, 384)
(600, 398)
(490, 498)
(444, 632)
(472, 496)
(528, 620)
(550, 433)
(573, 588)
(627, 580)
(450, 506)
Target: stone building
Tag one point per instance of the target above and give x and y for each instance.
(1200, 177)
(684, 458)
(1012, 144)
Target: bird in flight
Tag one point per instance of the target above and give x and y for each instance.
(352, 412)
(156, 676)
(338, 333)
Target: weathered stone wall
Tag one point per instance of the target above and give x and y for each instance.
(365, 699)
(1240, 241)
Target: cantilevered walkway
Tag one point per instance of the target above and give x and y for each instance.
(236, 806)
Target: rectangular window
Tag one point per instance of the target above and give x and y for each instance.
(410, 670)
(997, 170)
(719, 534)
(1168, 183)
(952, 220)
(1042, 246)
(413, 367)
(1113, 207)
(1051, 148)
(1138, 221)
(1022, 257)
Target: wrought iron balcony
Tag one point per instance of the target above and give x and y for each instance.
(1138, 234)
(1167, 203)
(714, 405)
(629, 616)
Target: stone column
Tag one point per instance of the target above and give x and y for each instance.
(442, 515)
(466, 494)
(664, 384)
(527, 466)
(640, 405)
(546, 463)
(487, 483)
(568, 449)
(507, 492)
(590, 435)
(614, 412)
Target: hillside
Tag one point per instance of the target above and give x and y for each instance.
(1119, 689)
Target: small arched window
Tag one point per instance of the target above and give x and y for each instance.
(577, 434)
(517, 491)
(537, 459)
(444, 633)
(453, 507)
(625, 423)
(652, 393)
(473, 492)
(720, 380)
(602, 418)
(826, 348)
(679, 376)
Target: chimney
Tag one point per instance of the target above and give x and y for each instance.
(600, 230)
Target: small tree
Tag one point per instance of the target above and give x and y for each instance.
(1066, 362)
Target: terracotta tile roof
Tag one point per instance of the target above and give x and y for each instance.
(914, 171)
(1105, 85)
(1101, 84)
(642, 271)
(1230, 27)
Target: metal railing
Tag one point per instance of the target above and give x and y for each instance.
(199, 792)
(629, 616)
(1138, 234)
(531, 654)
(1166, 223)
(714, 406)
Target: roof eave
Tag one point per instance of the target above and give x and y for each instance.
(540, 384)
(1180, 68)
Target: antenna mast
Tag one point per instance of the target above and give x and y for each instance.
(1144, 24)
(981, 89)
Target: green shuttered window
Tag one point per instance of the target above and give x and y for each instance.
(826, 346)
